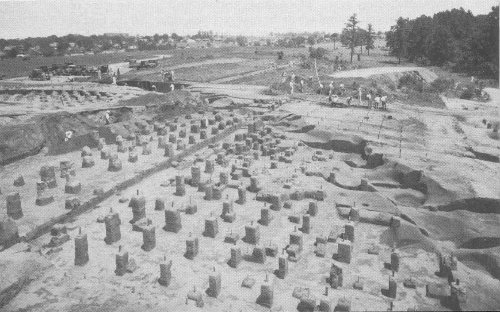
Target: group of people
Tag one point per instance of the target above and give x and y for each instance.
(292, 82)
(375, 100)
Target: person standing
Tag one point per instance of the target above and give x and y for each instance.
(383, 99)
(377, 101)
(369, 98)
(360, 94)
(107, 117)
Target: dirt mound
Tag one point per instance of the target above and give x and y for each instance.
(22, 139)
(19, 141)
(177, 97)
(481, 243)
(407, 235)
(477, 205)
(393, 73)
(304, 129)
(486, 259)
(487, 154)
(427, 190)
(339, 142)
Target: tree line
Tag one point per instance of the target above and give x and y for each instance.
(456, 39)
(54, 45)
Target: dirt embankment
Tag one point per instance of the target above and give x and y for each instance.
(23, 139)
(49, 131)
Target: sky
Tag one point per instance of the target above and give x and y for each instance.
(28, 18)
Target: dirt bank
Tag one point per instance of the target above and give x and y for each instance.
(23, 139)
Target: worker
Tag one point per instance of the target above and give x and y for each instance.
(106, 117)
(153, 87)
(348, 101)
(302, 85)
(330, 88)
(335, 99)
(377, 101)
(172, 87)
(283, 77)
(171, 75)
(291, 86)
(342, 87)
(360, 93)
(369, 98)
(383, 100)
(67, 135)
(320, 88)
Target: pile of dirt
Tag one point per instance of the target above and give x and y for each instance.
(486, 259)
(23, 139)
(477, 205)
(177, 97)
(338, 142)
(407, 235)
(426, 190)
(19, 141)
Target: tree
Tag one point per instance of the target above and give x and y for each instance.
(311, 40)
(11, 53)
(334, 37)
(298, 41)
(241, 41)
(351, 33)
(317, 53)
(369, 38)
(439, 47)
(420, 29)
(396, 39)
(62, 46)
(361, 38)
(175, 37)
